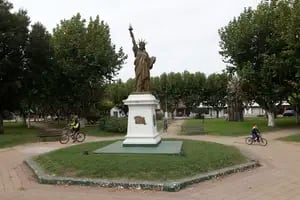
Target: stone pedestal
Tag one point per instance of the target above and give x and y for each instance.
(142, 126)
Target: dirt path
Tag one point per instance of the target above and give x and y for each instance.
(278, 178)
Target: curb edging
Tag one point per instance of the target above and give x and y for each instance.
(170, 186)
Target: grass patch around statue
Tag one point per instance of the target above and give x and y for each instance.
(197, 157)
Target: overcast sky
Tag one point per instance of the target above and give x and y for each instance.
(182, 34)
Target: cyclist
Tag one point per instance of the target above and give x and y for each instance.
(75, 128)
(255, 132)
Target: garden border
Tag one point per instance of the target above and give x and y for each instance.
(170, 186)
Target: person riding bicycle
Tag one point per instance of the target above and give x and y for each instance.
(75, 126)
(255, 132)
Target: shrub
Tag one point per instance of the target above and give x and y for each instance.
(92, 118)
(199, 116)
(114, 125)
(159, 116)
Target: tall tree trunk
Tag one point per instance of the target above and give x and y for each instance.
(24, 119)
(1, 124)
(58, 119)
(297, 114)
(28, 123)
(217, 113)
(235, 112)
(271, 119)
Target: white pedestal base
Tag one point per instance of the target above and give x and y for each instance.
(142, 126)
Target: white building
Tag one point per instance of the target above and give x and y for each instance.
(116, 112)
(253, 110)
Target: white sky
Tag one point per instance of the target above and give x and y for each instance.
(182, 34)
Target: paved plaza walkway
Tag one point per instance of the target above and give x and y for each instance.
(278, 178)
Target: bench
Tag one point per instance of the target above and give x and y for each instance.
(44, 135)
(193, 130)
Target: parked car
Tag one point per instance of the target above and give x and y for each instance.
(289, 113)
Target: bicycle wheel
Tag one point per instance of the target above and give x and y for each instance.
(249, 140)
(80, 137)
(263, 142)
(64, 139)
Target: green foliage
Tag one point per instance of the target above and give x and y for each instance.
(87, 60)
(198, 157)
(260, 46)
(13, 38)
(173, 88)
(114, 125)
(37, 73)
(170, 89)
(118, 91)
(159, 116)
(60, 74)
(216, 91)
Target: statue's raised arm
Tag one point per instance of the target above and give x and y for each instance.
(135, 47)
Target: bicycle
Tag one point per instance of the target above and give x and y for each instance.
(67, 133)
(250, 140)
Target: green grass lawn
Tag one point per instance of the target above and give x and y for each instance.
(17, 133)
(291, 138)
(227, 128)
(197, 157)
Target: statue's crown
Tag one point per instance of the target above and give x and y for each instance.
(142, 42)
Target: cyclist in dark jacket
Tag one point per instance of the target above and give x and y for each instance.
(255, 132)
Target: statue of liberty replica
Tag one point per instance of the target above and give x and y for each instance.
(143, 64)
(142, 105)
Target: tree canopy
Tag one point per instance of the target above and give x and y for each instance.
(61, 73)
(13, 38)
(259, 45)
(87, 60)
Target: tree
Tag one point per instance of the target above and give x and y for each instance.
(38, 69)
(87, 60)
(173, 88)
(194, 90)
(256, 46)
(293, 38)
(119, 91)
(13, 37)
(216, 91)
(235, 99)
(158, 87)
(294, 100)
